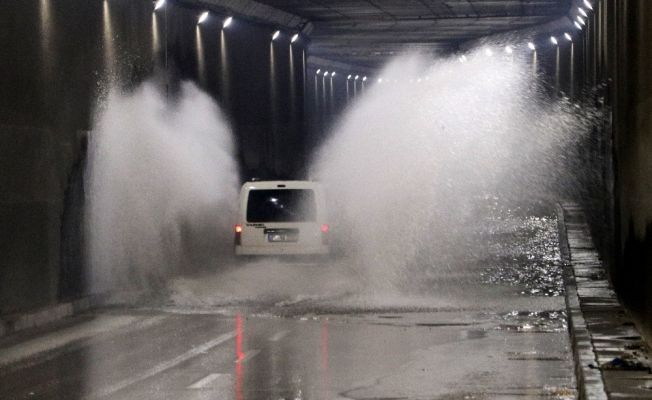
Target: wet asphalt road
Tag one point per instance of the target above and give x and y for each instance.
(494, 329)
(148, 355)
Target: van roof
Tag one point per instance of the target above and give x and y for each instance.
(280, 184)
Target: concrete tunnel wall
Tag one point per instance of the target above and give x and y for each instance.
(619, 59)
(633, 184)
(59, 59)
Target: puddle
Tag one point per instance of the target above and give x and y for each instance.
(523, 251)
(533, 356)
(474, 334)
(533, 321)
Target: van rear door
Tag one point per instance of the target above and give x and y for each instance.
(282, 217)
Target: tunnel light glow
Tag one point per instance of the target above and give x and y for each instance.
(553, 40)
(348, 77)
(380, 80)
(509, 49)
(356, 77)
(332, 74)
(531, 46)
(227, 22)
(364, 79)
(325, 73)
(295, 37)
(581, 10)
(202, 17)
(462, 58)
(488, 52)
(275, 35)
(581, 20)
(568, 37)
(577, 25)
(318, 71)
(588, 5)
(159, 4)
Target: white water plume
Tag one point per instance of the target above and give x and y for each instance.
(161, 186)
(411, 160)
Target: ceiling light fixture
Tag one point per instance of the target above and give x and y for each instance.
(202, 17)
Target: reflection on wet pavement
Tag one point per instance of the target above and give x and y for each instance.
(534, 321)
(490, 326)
(523, 251)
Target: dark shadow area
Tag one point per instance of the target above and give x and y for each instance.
(634, 277)
(72, 279)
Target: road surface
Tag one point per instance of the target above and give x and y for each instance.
(492, 327)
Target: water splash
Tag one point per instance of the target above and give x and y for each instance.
(407, 165)
(162, 184)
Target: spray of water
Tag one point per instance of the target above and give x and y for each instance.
(411, 161)
(408, 169)
(161, 187)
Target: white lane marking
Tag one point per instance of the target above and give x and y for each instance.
(100, 325)
(278, 336)
(195, 351)
(209, 379)
(248, 356)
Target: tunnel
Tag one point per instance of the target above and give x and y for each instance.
(265, 86)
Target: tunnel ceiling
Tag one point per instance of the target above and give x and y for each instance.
(367, 32)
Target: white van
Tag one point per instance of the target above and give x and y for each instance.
(281, 217)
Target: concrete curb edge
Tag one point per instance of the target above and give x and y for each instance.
(590, 382)
(46, 315)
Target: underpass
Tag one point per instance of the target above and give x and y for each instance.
(446, 134)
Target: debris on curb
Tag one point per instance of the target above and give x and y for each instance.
(627, 362)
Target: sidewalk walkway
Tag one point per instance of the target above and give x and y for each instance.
(610, 355)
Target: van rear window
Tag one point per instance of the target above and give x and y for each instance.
(281, 205)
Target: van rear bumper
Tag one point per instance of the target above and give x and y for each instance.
(279, 250)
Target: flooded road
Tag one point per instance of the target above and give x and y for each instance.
(487, 324)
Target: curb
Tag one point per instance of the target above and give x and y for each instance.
(612, 359)
(43, 316)
(12, 323)
(590, 382)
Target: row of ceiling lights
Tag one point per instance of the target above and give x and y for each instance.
(227, 21)
(333, 73)
(579, 23)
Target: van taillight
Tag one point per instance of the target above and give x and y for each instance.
(238, 234)
(324, 234)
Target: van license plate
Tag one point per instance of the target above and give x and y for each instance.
(281, 237)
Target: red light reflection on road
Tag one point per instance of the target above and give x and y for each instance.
(239, 356)
(325, 372)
